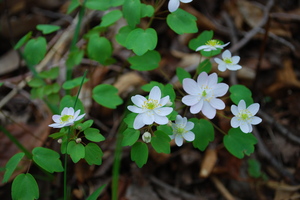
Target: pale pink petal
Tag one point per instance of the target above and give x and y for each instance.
(173, 5)
(190, 86)
(155, 93)
(189, 136)
(138, 100)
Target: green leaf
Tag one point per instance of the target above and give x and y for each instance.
(161, 142)
(201, 39)
(129, 119)
(36, 82)
(69, 101)
(73, 5)
(35, 50)
(107, 96)
(146, 10)
(254, 168)
(130, 137)
(240, 92)
(99, 49)
(53, 98)
(204, 133)
(204, 66)
(24, 187)
(74, 57)
(132, 12)
(11, 165)
(47, 28)
(85, 125)
(1, 84)
(74, 83)
(23, 40)
(50, 74)
(139, 153)
(123, 34)
(96, 193)
(166, 129)
(57, 135)
(76, 151)
(182, 74)
(140, 41)
(93, 135)
(239, 143)
(47, 159)
(181, 22)
(93, 154)
(97, 4)
(110, 18)
(37, 93)
(149, 61)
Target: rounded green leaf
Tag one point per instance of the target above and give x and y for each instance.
(181, 22)
(85, 125)
(204, 133)
(97, 4)
(50, 74)
(23, 40)
(99, 48)
(107, 96)
(139, 153)
(74, 57)
(129, 119)
(182, 74)
(36, 82)
(146, 62)
(123, 34)
(254, 168)
(47, 159)
(24, 187)
(35, 50)
(110, 18)
(93, 154)
(239, 143)
(204, 66)
(141, 41)
(11, 165)
(201, 39)
(73, 5)
(146, 10)
(240, 92)
(130, 136)
(74, 83)
(93, 135)
(161, 142)
(132, 12)
(47, 28)
(76, 151)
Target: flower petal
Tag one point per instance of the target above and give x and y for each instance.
(64, 111)
(178, 140)
(218, 60)
(217, 104)
(70, 111)
(189, 136)
(235, 122)
(76, 114)
(235, 59)
(196, 108)
(163, 111)
(186, 1)
(253, 108)
(155, 93)
(189, 126)
(202, 79)
(135, 109)
(138, 122)
(234, 110)
(190, 100)
(79, 117)
(164, 100)
(212, 79)
(241, 105)
(148, 117)
(138, 100)
(173, 5)
(222, 67)
(255, 120)
(245, 127)
(160, 119)
(190, 86)
(234, 67)
(208, 110)
(220, 89)
(56, 118)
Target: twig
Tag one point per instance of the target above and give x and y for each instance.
(282, 130)
(220, 186)
(174, 190)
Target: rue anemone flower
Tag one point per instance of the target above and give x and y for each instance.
(203, 94)
(174, 4)
(245, 116)
(150, 110)
(211, 45)
(66, 118)
(228, 62)
(182, 130)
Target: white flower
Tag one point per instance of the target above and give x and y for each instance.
(146, 137)
(228, 62)
(182, 130)
(211, 45)
(150, 110)
(244, 117)
(174, 4)
(203, 94)
(67, 118)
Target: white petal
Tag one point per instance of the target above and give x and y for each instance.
(190, 86)
(56, 118)
(186, 1)
(190, 100)
(220, 89)
(253, 108)
(235, 122)
(189, 136)
(64, 111)
(222, 67)
(234, 67)
(202, 47)
(218, 60)
(202, 79)
(189, 126)
(241, 105)
(224, 45)
(76, 114)
(55, 125)
(208, 110)
(173, 5)
(138, 122)
(135, 109)
(155, 93)
(212, 79)
(245, 127)
(226, 54)
(70, 111)
(217, 104)
(164, 100)
(79, 117)
(194, 109)
(160, 119)
(235, 59)
(178, 140)
(148, 117)
(138, 100)
(172, 136)
(234, 110)
(255, 120)
(163, 111)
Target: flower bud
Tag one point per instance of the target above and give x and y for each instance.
(59, 141)
(78, 140)
(169, 103)
(146, 137)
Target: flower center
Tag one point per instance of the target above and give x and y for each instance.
(66, 118)
(245, 115)
(151, 104)
(228, 60)
(213, 43)
(180, 130)
(204, 93)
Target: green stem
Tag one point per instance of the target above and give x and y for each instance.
(116, 166)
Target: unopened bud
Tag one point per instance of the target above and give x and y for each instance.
(78, 140)
(169, 103)
(146, 137)
(169, 123)
(59, 141)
